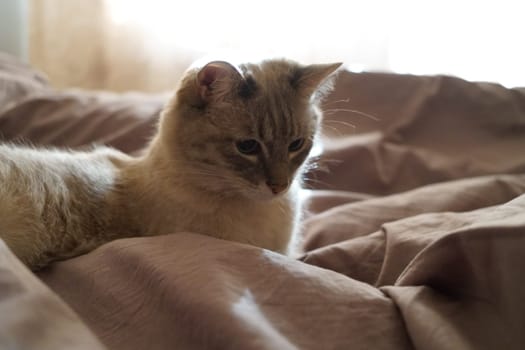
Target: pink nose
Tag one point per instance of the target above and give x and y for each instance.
(276, 188)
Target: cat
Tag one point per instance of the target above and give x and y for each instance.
(226, 161)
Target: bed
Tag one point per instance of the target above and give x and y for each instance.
(414, 236)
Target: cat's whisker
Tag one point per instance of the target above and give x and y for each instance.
(328, 103)
(312, 163)
(333, 130)
(312, 167)
(340, 122)
(336, 128)
(282, 209)
(352, 111)
(314, 182)
(329, 161)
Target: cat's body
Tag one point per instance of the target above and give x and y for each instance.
(225, 163)
(49, 199)
(60, 204)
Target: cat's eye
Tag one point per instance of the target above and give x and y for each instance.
(249, 147)
(296, 145)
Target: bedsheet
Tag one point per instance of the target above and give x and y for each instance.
(413, 239)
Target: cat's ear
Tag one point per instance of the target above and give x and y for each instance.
(315, 77)
(216, 80)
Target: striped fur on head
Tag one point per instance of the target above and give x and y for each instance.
(221, 111)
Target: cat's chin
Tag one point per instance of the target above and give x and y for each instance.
(266, 197)
(263, 195)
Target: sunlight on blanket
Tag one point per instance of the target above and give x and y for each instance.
(255, 321)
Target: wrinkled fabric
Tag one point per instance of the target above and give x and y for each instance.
(413, 237)
(79, 119)
(203, 293)
(425, 130)
(33, 317)
(18, 81)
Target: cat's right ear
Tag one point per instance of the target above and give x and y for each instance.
(216, 80)
(314, 78)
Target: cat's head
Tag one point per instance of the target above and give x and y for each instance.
(245, 130)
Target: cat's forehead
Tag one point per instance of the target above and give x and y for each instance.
(273, 119)
(267, 87)
(270, 73)
(274, 109)
(265, 105)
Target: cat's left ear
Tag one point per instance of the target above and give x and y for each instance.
(315, 77)
(216, 80)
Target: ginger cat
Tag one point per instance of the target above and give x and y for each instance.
(226, 161)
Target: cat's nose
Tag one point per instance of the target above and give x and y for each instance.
(277, 187)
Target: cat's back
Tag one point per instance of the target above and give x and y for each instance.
(50, 192)
(25, 169)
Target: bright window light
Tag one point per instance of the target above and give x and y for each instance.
(476, 40)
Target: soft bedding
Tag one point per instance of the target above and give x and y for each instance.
(33, 317)
(414, 237)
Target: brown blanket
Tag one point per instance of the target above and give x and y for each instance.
(414, 238)
(32, 317)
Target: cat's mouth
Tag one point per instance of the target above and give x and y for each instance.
(277, 188)
(267, 192)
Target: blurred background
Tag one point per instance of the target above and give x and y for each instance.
(146, 45)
